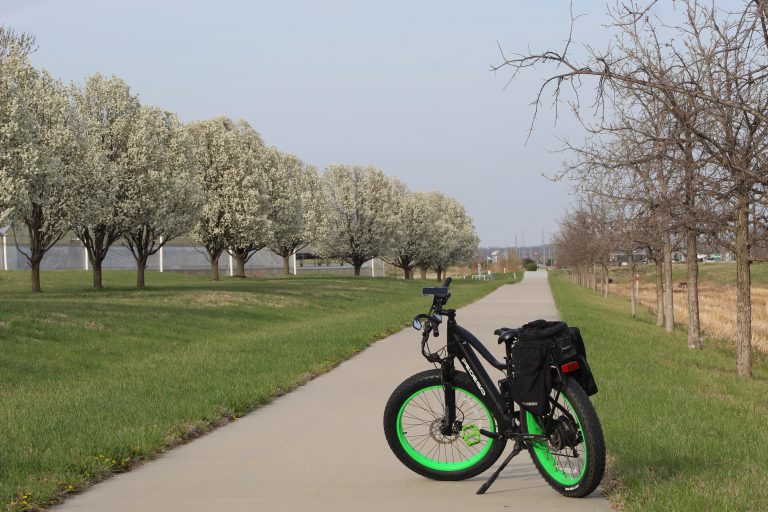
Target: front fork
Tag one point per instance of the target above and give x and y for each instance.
(447, 425)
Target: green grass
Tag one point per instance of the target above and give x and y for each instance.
(93, 381)
(683, 431)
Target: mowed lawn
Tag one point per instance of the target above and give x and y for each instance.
(93, 381)
(683, 432)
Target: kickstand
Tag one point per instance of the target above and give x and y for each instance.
(517, 449)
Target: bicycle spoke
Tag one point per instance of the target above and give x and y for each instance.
(421, 423)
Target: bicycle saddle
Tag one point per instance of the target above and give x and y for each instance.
(506, 334)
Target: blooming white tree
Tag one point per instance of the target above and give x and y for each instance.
(454, 238)
(291, 188)
(161, 195)
(413, 240)
(12, 45)
(43, 151)
(248, 222)
(220, 162)
(12, 42)
(109, 109)
(357, 214)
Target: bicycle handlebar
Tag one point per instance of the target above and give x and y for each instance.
(439, 297)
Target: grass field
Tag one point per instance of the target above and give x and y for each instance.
(93, 381)
(717, 297)
(683, 432)
(710, 273)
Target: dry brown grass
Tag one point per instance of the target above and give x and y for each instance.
(213, 298)
(224, 299)
(717, 309)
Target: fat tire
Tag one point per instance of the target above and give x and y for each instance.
(593, 436)
(403, 392)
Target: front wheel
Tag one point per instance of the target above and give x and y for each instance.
(412, 421)
(572, 459)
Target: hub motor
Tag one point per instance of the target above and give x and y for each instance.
(564, 433)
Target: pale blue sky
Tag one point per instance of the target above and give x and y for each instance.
(403, 85)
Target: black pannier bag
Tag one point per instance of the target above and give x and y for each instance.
(530, 384)
(538, 343)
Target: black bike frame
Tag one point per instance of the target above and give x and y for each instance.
(460, 346)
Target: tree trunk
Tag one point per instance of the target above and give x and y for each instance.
(743, 291)
(632, 295)
(286, 264)
(96, 274)
(214, 254)
(97, 240)
(240, 272)
(659, 291)
(669, 305)
(407, 273)
(423, 271)
(358, 266)
(215, 269)
(36, 274)
(605, 282)
(141, 266)
(691, 248)
(439, 271)
(692, 285)
(600, 282)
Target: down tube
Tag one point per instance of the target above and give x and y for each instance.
(472, 365)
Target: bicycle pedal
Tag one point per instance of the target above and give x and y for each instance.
(471, 435)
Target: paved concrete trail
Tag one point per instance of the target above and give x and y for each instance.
(322, 446)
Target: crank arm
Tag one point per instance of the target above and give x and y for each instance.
(492, 435)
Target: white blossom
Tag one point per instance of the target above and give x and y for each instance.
(454, 240)
(108, 109)
(43, 150)
(291, 189)
(161, 192)
(357, 213)
(230, 161)
(413, 241)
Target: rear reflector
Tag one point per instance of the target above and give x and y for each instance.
(570, 367)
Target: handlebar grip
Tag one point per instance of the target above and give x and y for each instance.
(447, 282)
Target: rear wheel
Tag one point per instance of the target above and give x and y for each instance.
(572, 459)
(412, 421)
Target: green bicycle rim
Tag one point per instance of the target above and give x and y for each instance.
(545, 456)
(436, 464)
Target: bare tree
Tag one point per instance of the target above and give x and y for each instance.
(711, 58)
